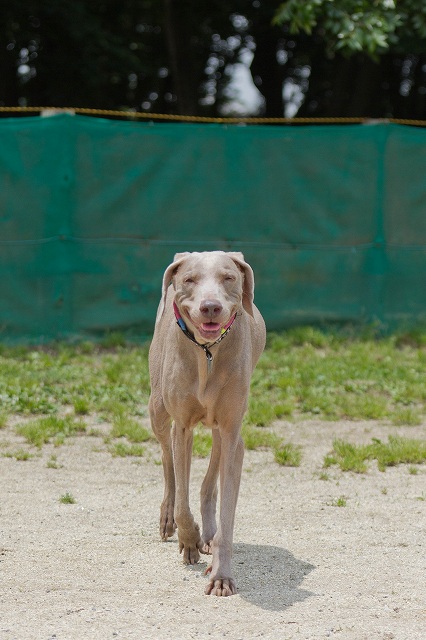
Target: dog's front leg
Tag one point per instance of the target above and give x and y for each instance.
(190, 541)
(221, 582)
(208, 494)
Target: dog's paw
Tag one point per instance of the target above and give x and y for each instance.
(167, 521)
(207, 548)
(220, 586)
(167, 529)
(223, 588)
(191, 552)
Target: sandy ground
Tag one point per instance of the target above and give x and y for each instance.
(304, 568)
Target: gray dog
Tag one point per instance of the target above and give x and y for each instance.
(208, 337)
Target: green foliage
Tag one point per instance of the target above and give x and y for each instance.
(124, 449)
(303, 372)
(42, 430)
(257, 438)
(81, 406)
(160, 57)
(341, 501)
(202, 442)
(67, 498)
(406, 416)
(126, 427)
(19, 454)
(288, 455)
(314, 373)
(354, 26)
(43, 382)
(351, 457)
(52, 463)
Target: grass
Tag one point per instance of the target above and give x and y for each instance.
(351, 457)
(127, 427)
(19, 454)
(52, 463)
(254, 438)
(303, 373)
(202, 442)
(67, 498)
(309, 373)
(341, 501)
(36, 381)
(125, 449)
(259, 438)
(288, 455)
(42, 430)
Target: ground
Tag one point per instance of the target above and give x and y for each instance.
(305, 568)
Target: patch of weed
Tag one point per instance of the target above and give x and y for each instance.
(341, 501)
(258, 438)
(406, 416)
(42, 430)
(260, 412)
(124, 449)
(202, 442)
(19, 454)
(126, 427)
(399, 451)
(52, 463)
(351, 457)
(67, 498)
(348, 456)
(323, 475)
(81, 406)
(288, 455)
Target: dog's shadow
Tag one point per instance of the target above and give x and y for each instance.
(270, 577)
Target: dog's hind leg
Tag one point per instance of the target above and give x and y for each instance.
(161, 424)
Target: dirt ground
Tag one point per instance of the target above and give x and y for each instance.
(304, 567)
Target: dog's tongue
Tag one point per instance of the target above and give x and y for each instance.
(210, 326)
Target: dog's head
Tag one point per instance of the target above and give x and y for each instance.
(209, 288)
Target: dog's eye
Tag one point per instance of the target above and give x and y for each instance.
(229, 278)
(189, 281)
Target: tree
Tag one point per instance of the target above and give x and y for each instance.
(140, 55)
(313, 58)
(358, 26)
(366, 58)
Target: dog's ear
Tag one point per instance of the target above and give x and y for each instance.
(167, 279)
(248, 283)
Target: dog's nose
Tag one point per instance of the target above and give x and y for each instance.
(210, 308)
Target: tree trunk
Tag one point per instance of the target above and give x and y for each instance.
(178, 39)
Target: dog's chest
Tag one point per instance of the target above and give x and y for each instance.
(194, 402)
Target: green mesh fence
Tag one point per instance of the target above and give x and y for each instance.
(332, 219)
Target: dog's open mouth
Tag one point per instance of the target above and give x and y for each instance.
(210, 329)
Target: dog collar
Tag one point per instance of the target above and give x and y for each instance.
(205, 347)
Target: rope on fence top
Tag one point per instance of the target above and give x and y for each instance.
(204, 119)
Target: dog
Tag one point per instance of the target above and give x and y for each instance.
(207, 340)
